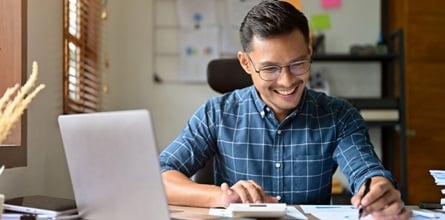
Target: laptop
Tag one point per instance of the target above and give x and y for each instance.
(113, 163)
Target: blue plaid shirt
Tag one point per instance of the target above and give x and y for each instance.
(293, 160)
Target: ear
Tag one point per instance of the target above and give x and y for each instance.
(244, 62)
(309, 47)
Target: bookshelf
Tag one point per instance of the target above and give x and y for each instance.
(389, 110)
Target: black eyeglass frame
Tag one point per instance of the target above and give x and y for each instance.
(309, 61)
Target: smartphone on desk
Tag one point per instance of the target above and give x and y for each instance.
(430, 205)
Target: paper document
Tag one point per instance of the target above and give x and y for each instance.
(339, 212)
(332, 211)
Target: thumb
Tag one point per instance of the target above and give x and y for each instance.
(270, 199)
(355, 201)
(226, 189)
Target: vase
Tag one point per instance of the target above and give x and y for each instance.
(2, 200)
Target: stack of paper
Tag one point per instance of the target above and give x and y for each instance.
(439, 178)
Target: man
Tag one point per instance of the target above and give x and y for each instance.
(277, 141)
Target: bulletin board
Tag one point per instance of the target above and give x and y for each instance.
(187, 39)
(342, 22)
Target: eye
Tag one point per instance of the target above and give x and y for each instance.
(270, 69)
(296, 65)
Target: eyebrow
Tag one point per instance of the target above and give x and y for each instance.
(269, 63)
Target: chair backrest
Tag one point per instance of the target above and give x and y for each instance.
(223, 75)
(226, 75)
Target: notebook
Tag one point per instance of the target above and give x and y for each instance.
(113, 164)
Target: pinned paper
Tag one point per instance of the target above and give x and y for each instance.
(331, 3)
(197, 48)
(295, 3)
(320, 22)
(196, 13)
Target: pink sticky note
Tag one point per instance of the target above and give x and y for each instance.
(331, 3)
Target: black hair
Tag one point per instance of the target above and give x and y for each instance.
(270, 18)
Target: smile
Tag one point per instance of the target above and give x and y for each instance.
(286, 92)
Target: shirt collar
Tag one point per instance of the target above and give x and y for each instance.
(263, 109)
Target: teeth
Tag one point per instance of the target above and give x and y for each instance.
(286, 92)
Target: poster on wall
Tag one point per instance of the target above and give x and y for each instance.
(197, 48)
(199, 37)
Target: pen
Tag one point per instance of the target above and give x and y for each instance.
(367, 186)
(333, 207)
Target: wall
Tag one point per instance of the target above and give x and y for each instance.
(129, 41)
(128, 44)
(172, 103)
(46, 172)
(131, 34)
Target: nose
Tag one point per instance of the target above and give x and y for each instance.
(285, 75)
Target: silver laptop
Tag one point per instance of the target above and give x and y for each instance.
(113, 163)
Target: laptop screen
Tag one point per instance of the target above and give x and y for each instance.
(113, 163)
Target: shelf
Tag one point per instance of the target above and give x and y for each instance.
(345, 57)
(378, 111)
(374, 103)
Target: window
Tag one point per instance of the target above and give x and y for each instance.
(13, 66)
(81, 81)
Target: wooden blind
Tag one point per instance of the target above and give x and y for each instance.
(81, 80)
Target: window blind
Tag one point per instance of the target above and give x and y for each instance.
(81, 81)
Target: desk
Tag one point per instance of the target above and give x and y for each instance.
(184, 212)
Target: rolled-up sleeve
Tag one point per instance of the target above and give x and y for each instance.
(354, 153)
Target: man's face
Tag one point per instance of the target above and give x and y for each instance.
(284, 93)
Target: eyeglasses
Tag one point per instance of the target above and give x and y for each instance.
(272, 72)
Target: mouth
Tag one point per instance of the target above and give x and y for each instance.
(286, 91)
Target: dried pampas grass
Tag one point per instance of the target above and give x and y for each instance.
(12, 109)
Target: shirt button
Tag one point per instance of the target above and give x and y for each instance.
(277, 165)
(279, 132)
(262, 114)
(278, 198)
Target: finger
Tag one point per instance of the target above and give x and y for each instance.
(406, 213)
(355, 201)
(228, 195)
(249, 191)
(389, 203)
(393, 209)
(256, 192)
(270, 199)
(380, 194)
(226, 189)
(242, 192)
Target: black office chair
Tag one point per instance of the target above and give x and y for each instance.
(226, 75)
(223, 75)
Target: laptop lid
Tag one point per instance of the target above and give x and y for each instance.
(113, 163)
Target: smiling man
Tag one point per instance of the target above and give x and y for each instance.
(277, 141)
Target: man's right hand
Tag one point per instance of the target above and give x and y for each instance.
(245, 191)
